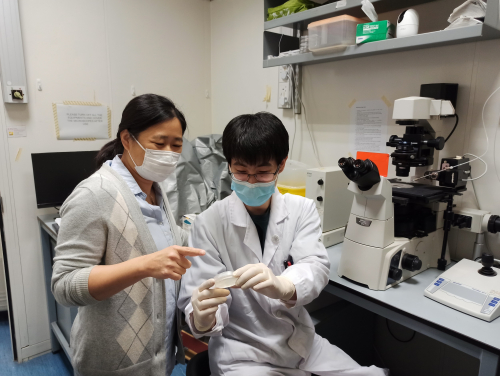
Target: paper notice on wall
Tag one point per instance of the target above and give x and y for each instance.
(82, 122)
(368, 126)
(15, 131)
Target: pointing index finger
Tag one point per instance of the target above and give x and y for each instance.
(188, 251)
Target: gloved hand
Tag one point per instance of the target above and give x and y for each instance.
(205, 303)
(261, 279)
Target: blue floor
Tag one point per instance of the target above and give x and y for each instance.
(46, 365)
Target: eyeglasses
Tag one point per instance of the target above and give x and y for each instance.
(261, 178)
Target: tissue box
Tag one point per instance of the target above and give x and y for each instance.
(374, 31)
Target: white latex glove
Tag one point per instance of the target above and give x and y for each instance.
(261, 279)
(205, 303)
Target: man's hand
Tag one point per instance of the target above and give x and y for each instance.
(170, 263)
(261, 279)
(205, 303)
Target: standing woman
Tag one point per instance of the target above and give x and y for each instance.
(120, 255)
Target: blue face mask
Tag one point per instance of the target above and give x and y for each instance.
(253, 194)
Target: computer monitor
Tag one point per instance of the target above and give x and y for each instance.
(57, 174)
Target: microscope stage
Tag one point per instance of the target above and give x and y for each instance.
(461, 287)
(420, 193)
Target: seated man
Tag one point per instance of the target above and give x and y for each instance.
(261, 327)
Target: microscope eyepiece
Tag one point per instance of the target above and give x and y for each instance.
(364, 173)
(359, 163)
(362, 166)
(346, 164)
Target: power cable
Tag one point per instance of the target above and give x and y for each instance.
(294, 119)
(453, 130)
(487, 144)
(396, 338)
(313, 141)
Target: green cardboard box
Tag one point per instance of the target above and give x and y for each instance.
(374, 31)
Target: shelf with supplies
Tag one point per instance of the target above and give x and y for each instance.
(299, 21)
(352, 7)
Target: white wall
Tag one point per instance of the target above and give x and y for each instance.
(90, 50)
(239, 81)
(486, 80)
(162, 47)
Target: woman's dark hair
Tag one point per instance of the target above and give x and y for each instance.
(140, 113)
(255, 139)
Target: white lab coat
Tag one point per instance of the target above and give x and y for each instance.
(251, 327)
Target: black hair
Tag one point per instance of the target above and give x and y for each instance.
(255, 139)
(139, 114)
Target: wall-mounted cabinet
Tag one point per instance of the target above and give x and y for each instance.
(299, 21)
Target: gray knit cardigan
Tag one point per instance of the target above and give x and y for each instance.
(102, 224)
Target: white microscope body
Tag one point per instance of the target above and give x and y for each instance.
(371, 254)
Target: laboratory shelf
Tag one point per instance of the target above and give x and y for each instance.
(352, 7)
(437, 38)
(274, 42)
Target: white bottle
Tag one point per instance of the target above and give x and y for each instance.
(408, 23)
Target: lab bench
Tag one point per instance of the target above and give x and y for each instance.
(60, 317)
(406, 304)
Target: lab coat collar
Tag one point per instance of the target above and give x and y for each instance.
(240, 217)
(278, 209)
(274, 233)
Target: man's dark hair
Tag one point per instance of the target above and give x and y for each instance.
(255, 139)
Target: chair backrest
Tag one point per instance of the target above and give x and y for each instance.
(198, 365)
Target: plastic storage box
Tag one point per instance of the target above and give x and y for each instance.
(293, 178)
(335, 33)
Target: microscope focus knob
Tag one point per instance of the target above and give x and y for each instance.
(494, 224)
(411, 263)
(395, 273)
(437, 144)
(319, 198)
(321, 182)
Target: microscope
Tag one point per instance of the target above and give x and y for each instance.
(398, 229)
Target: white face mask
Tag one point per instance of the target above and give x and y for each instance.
(157, 164)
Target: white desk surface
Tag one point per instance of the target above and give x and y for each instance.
(408, 296)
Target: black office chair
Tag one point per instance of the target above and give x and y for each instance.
(198, 365)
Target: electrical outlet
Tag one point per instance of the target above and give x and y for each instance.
(284, 95)
(285, 87)
(16, 94)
